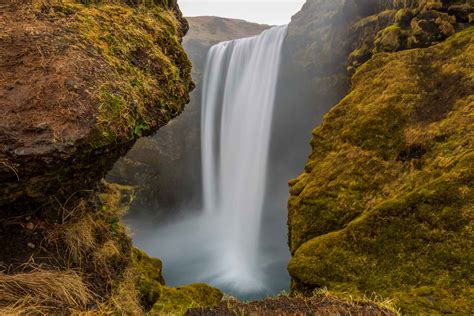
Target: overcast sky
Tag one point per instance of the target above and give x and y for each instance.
(273, 12)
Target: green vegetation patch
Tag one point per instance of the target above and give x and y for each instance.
(144, 73)
(178, 300)
(159, 299)
(150, 277)
(386, 203)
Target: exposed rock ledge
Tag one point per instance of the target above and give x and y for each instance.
(79, 83)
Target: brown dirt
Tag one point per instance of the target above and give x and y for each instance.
(44, 78)
(283, 305)
(46, 108)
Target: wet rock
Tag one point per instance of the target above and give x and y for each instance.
(388, 40)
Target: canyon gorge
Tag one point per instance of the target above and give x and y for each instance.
(330, 159)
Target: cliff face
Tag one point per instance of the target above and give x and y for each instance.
(74, 92)
(313, 75)
(385, 203)
(328, 40)
(206, 31)
(166, 168)
(80, 81)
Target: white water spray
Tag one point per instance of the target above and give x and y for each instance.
(237, 110)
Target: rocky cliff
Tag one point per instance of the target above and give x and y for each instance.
(80, 81)
(385, 203)
(74, 91)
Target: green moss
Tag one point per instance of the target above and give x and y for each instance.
(406, 25)
(386, 202)
(390, 39)
(176, 301)
(403, 17)
(144, 75)
(150, 279)
(162, 300)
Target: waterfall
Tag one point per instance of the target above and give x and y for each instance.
(237, 108)
(222, 244)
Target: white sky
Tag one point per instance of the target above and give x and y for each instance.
(273, 12)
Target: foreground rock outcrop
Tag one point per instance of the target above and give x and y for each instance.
(74, 93)
(385, 204)
(80, 82)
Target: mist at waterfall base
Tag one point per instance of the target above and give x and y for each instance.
(238, 241)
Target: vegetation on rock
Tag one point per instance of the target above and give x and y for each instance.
(178, 300)
(386, 203)
(81, 81)
(80, 85)
(410, 24)
(321, 302)
(159, 299)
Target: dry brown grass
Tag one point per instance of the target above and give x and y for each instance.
(107, 251)
(382, 303)
(323, 303)
(42, 292)
(123, 301)
(79, 238)
(125, 298)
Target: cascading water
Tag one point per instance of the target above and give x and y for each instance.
(237, 107)
(222, 245)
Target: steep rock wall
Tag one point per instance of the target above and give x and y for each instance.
(376, 209)
(328, 40)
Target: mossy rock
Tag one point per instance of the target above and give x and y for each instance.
(150, 277)
(386, 201)
(403, 17)
(97, 76)
(176, 301)
(389, 39)
(406, 25)
(160, 299)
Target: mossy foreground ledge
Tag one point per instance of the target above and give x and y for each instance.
(386, 201)
(80, 81)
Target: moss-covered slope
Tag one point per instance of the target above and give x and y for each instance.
(386, 201)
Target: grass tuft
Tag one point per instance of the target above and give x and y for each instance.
(42, 291)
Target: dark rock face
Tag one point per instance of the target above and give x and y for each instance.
(67, 108)
(313, 78)
(166, 168)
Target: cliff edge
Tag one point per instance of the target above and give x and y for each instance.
(385, 203)
(80, 82)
